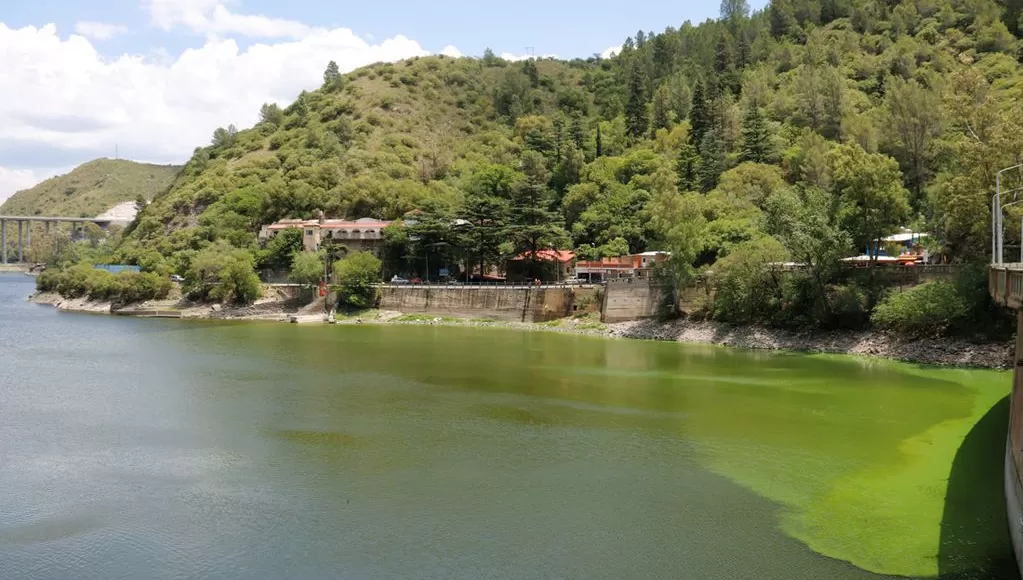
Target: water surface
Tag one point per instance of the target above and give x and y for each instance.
(169, 449)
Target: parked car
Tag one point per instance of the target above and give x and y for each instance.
(396, 279)
(176, 278)
(417, 280)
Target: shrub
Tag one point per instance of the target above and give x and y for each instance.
(928, 309)
(223, 273)
(355, 276)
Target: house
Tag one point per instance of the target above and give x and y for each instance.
(630, 266)
(554, 266)
(364, 234)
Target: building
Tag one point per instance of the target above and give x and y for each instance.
(555, 266)
(631, 266)
(364, 234)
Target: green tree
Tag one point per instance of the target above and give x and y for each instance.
(272, 114)
(713, 161)
(679, 227)
(700, 119)
(914, 117)
(225, 137)
(873, 202)
(636, 119)
(687, 166)
(223, 273)
(432, 237)
(486, 219)
(532, 225)
(756, 137)
(661, 117)
(332, 77)
(529, 67)
(280, 250)
(355, 276)
(307, 268)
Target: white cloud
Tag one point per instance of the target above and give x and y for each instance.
(62, 103)
(612, 51)
(511, 57)
(451, 51)
(15, 180)
(99, 30)
(212, 17)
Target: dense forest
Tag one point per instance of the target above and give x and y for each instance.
(805, 132)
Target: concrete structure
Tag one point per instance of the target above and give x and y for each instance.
(631, 266)
(25, 229)
(1006, 287)
(364, 234)
(508, 303)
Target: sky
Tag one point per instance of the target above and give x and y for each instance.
(150, 80)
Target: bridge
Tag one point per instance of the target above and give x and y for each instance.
(25, 229)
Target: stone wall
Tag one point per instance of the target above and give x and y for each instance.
(513, 304)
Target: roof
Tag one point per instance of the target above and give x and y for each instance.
(905, 237)
(330, 224)
(653, 253)
(549, 256)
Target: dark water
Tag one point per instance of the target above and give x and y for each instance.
(167, 449)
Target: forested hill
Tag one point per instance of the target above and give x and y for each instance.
(802, 132)
(91, 189)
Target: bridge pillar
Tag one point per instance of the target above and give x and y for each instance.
(21, 241)
(28, 236)
(3, 239)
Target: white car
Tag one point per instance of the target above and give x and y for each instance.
(176, 278)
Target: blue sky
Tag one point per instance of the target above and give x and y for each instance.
(152, 79)
(567, 28)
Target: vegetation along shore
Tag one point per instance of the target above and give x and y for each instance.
(790, 158)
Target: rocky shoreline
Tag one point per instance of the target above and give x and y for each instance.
(930, 351)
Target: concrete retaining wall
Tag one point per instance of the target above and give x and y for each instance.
(630, 299)
(514, 304)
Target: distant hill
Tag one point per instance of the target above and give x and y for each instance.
(92, 188)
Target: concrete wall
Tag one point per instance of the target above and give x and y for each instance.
(630, 299)
(517, 304)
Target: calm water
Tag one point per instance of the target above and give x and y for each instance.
(167, 449)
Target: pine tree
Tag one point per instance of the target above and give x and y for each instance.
(756, 138)
(661, 111)
(576, 131)
(699, 114)
(782, 18)
(687, 166)
(712, 160)
(332, 76)
(600, 142)
(636, 121)
(533, 227)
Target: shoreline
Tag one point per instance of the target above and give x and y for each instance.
(947, 352)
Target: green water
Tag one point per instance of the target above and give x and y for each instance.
(166, 449)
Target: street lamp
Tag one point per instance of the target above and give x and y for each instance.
(996, 215)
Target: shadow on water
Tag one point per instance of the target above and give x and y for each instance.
(975, 542)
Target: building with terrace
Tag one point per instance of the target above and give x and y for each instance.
(364, 234)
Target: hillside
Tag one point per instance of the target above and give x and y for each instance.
(91, 189)
(806, 132)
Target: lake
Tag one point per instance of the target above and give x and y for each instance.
(169, 449)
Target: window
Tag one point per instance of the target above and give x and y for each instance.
(309, 232)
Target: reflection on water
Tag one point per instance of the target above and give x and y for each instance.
(166, 449)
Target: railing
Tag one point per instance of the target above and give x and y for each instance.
(495, 284)
(1005, 283)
